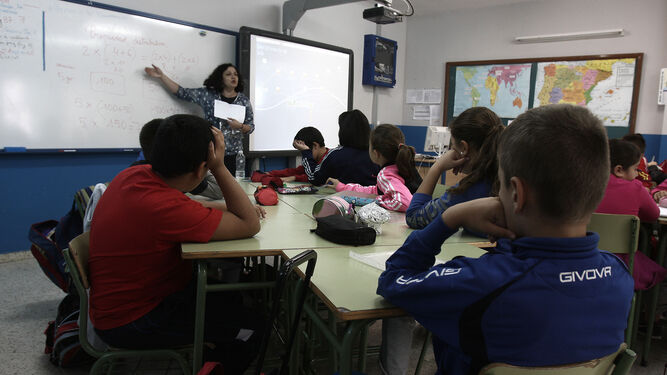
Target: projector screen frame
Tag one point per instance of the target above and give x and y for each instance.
(245, 34)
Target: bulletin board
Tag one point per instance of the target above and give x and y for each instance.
(608, 85)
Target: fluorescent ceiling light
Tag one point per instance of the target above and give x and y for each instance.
(570, 36)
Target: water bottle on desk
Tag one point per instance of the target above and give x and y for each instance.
(240, 164)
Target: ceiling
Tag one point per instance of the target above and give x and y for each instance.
(429, 7)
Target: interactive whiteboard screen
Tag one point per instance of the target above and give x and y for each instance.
(72, 75)
(293, 83)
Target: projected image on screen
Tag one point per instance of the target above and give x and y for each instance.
(293, 85)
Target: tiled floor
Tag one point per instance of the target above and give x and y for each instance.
(28, 300)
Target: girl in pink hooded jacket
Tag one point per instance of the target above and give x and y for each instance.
(398, 179)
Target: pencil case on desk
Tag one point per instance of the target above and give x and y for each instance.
(344, 230)
(333, 205)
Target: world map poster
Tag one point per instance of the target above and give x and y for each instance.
(603, 86)
(503, 88)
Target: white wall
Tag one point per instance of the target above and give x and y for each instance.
(341, 25)
(483, 34)
(344, 26)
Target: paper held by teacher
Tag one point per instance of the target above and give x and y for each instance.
(225, 110)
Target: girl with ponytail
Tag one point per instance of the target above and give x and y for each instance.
(475, 134)
(398, 179)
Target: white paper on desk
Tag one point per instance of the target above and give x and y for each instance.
(663, 212)
(376, 260)
(225, 110)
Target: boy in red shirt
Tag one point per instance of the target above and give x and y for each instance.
(141, 292)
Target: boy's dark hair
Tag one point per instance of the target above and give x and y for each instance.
(309, 135)
(354, 130)
(636, 139)
(214, 80)
(561, 152)
(480, 127)
(623, 153)
(146, 136)
(180, 145)
(389, 141)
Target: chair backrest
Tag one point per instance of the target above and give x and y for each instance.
(617, 363)
(76, 258)
(78, 249)
(618, 233)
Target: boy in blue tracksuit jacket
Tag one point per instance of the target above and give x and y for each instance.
(546, 295)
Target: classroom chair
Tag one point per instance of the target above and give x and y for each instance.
(618, 363)
(76, 258)
(651, 305)
(620, 234)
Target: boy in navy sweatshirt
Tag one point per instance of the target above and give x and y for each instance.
(546, 295)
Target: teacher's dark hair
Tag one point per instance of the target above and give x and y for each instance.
(354, 130)
(214, 80)
(180, 145)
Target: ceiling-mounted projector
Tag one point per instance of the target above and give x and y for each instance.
(382, 15)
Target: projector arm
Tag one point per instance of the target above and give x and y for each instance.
(294, 9)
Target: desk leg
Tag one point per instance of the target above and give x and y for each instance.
(198, 345)
(653, 301)
(351, 332)
(363, 348)
(333, 328)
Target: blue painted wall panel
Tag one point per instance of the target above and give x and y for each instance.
(40, 187)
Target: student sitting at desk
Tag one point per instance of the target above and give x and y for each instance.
(475, 133)
(141, 292)
(626, 195)
(643, 174)
(659, 194)
(310, 142)
(523, 303)
(398, 178)
(348, 162)
(208, 187)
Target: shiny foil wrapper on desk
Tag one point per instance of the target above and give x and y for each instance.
(374, 216)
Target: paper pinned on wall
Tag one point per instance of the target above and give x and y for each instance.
(414, 96)
(418, 96)
(432, 96)
(435, 115)
(225, 110)
(662, 90)
(421, 112)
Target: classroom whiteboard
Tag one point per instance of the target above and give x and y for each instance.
(294, 83)
(72, 74)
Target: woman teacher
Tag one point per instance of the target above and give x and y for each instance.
(225, 84)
